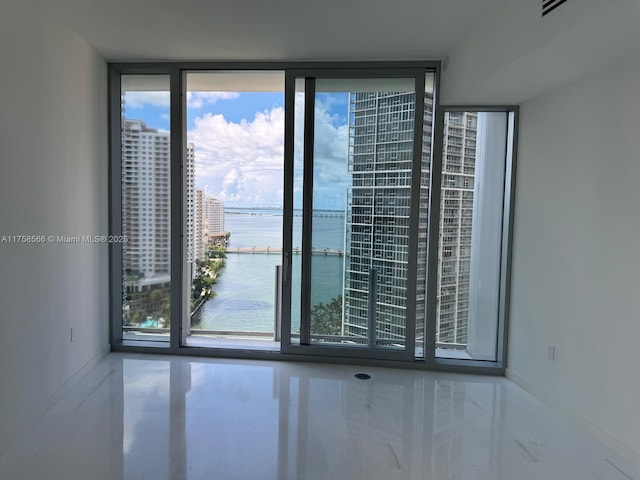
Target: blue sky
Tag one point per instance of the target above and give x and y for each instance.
(244, 107)
(239, 144)
(155, 111)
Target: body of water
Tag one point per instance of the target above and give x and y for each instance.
(245, 291)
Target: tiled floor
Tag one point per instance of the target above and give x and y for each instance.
(155, 417)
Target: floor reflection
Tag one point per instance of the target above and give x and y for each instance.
(135, 417)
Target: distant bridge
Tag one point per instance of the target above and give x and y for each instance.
(296, 251)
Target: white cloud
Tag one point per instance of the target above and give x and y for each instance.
(242, 163)
(200, 99)
(135, 99)
(142, 99)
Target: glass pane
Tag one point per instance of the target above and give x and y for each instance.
(234, 201)
(146, 202)
(425, 169)
(330, 181)
(361, 204)
(296, 259)
(473, 168)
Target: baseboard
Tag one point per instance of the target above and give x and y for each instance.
(628, 455)
(73, 380)
(55, 397)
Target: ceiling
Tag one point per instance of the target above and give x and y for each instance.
(495, 51)
(273, 29)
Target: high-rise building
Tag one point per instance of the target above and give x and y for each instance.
(378, 207)
(379, 199)
(146, 200)
(191, 206)
(456, 217)
(146, 218)
(214, 214)
(208, 220)
(200, 226)
(146, 203)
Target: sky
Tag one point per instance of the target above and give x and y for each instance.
(239, 144)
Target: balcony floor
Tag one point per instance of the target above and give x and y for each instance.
(233, 342)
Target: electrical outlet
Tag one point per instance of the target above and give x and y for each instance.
(551, 352)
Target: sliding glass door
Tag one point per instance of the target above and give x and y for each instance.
(358, 175)
(232, 211)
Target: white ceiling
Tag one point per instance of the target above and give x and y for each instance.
(273, 29)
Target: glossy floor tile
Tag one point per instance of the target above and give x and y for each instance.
(140, 417)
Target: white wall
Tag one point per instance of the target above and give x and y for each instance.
(53, 180)
(514, 54)
(576, 253)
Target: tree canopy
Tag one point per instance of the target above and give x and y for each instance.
(326, 319)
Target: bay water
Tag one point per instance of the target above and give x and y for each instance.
(245, 290)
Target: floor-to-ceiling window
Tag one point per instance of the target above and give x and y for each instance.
(471, 228)
(145, 219)
(326, 210)
(234, 166)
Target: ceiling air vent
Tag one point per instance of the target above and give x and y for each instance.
(549, 6)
